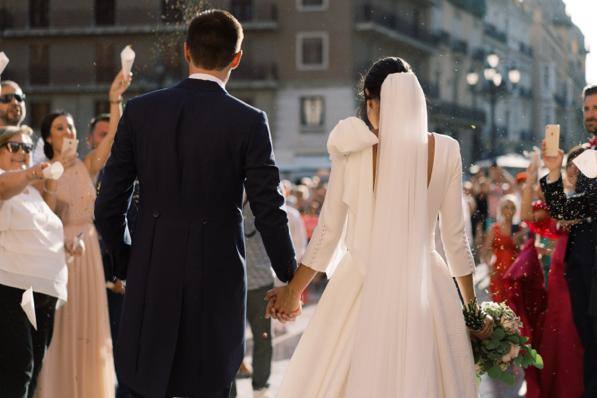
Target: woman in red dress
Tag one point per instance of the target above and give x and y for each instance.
(502, 246)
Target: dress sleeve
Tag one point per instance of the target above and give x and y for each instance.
(456, 245)
(332, 220)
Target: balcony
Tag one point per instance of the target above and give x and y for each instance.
(388, 23)
(256, 17)
(459, 46)
(254, 76)
(493, 32)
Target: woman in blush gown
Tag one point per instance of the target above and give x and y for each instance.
(390, 322)
(79, 362)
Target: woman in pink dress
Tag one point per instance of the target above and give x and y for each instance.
(79, 361)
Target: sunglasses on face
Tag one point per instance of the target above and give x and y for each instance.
(14, 147)
(7, 98)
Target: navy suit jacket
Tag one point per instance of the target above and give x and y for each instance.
(193, 148)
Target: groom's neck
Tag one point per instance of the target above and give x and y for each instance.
(223, 75)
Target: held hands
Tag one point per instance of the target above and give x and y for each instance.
(119, 86)
(284, 304)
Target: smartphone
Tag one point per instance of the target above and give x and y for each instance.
(552, 139)
(69, 146)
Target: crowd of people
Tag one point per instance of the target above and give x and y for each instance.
(537, 235)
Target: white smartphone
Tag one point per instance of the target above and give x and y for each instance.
(552, 139)
(69, 146)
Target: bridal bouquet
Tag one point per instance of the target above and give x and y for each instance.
(506, 348)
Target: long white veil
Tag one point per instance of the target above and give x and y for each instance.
(394, 345)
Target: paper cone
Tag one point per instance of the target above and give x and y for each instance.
(3, 61)
(127, 57)
(54, 171)
(587, 163)
(28, 305)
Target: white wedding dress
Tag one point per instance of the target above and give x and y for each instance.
(368, 337)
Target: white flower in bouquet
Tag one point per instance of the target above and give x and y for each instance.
(513, 353)
(511, 325)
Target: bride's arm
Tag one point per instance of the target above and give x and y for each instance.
(285, 301)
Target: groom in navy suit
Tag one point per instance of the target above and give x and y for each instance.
(193, 149)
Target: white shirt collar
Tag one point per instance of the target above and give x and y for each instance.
(211, 78)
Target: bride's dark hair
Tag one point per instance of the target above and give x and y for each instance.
(372, 81)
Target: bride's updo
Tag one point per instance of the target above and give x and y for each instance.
(372, 81)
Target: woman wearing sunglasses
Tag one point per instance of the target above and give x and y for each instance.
(31, 255)
(79, 362)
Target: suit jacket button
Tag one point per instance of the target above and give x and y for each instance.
(156, 214)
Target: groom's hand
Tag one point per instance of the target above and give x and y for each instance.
(284, 304)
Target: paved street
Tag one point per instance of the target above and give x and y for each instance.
(284, 346)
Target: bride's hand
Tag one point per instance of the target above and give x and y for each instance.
(284, 304)
(486, 331)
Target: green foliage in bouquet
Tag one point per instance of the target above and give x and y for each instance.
(505, 348)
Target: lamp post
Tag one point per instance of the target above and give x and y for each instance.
(493, 80)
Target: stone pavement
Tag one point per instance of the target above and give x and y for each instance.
(284, 346)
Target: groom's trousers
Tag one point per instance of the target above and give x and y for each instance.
(218, 394)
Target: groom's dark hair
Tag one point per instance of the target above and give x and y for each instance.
(213, 38)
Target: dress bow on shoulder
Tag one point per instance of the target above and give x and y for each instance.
(350, 135)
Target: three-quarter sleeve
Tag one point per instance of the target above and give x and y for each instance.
(452, 226)
(332, 220)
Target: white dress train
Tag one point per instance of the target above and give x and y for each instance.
(320, 366)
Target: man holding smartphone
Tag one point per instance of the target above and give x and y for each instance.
(581, 253)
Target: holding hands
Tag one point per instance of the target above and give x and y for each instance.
(284, 303)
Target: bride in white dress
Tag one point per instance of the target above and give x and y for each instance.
(390, 322)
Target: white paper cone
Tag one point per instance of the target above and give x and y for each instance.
(587, 163)
(127, 57)
(54, 171)
(3, 61)
(28, 305)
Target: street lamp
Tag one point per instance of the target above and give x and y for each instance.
(493, 86)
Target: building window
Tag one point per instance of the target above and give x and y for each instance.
(105, 12)
(39, 64)
(312, 50)
(37, 111)
(105, 68)
(39, 13)
(171, 11)
(312, 112)
(312, 5)
(242, 9)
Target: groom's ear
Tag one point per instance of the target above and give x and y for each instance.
(187, 52)
(236, 60)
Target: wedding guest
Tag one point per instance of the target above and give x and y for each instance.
(581, 253)
(79, 362)
(501, 248)
(115, 288)
(298, 233)
(260, 278)
(557, 339)
(12, 104)
(32, 255)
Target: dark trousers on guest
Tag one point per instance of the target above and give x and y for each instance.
(115, 301)
(218, 394)
(261, 329)
(22, 348)
(578, 276)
